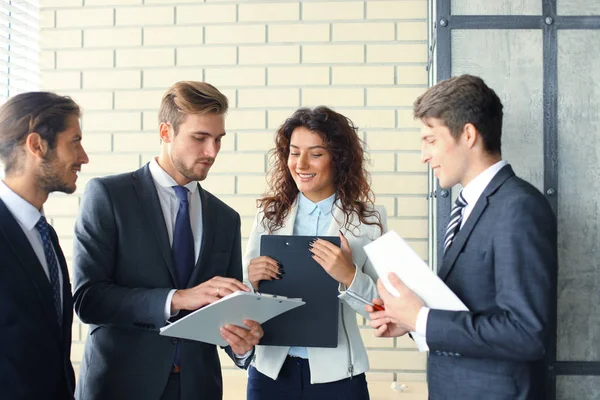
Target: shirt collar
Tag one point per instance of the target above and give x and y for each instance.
(23, 211)
(475, 188)
(306, 206)
(163, 179)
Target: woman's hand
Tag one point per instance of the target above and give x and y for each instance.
(336, 261)
(263, 269)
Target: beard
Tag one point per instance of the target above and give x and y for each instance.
(187, 171)
(50, 180)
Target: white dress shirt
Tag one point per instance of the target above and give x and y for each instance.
(169, 203)
(28, 216)
(471, 193)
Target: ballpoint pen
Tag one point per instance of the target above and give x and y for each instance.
(355, 296)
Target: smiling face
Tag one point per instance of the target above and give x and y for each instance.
(310, 165)
(447, 156)
(188, 155)
(61, 165)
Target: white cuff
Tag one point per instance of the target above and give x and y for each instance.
(241, 360)
(168, 314)
(342, 288)
(421, 324)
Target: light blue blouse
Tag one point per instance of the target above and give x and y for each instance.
(312, 219)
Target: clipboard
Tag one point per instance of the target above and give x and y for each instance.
(203, 325)
(316, 323)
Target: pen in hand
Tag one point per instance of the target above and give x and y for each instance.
(355, 296)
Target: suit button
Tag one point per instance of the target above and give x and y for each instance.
(438, 353)
(174, 341)
(457, 355)
(444, 353)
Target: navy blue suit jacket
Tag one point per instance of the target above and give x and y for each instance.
(35, 354)
(502, 264)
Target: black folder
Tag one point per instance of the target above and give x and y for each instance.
(316, 323)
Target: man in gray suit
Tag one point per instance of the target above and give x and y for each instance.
(151, 246)
(500, 257)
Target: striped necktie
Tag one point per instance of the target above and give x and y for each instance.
(44, 229)
(455, 221)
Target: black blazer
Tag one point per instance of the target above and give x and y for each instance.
(502, 265)
(123, 272)
(35, 354)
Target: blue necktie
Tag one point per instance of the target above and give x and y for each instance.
(44, 228)
(183, 239)
(182, 248)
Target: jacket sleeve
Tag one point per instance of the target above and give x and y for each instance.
(364, 283)
(98, 299)
(525, 262)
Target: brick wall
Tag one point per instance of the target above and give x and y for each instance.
(364, 58)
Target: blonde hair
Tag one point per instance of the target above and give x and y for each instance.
(190, 97)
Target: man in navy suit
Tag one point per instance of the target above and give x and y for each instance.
(499, 257)
(40, 147)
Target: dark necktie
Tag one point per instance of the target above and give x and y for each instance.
(456, 217)
(44, 229)
(183, 239)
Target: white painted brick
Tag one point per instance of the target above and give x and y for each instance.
(411, 75)
(397, 9)
(397, 140)
(113, 37)
(412, 206)
(268, 97)
(411, 162)
(150, 120)
(299, 33)
(111, 121)
(244, 205)
(113, 2)
(406, 119)
(333, 54)
(62, 39)
(136, 142)
(238, 119)
(396, 53)
(409, 228)
(298, 76)
(399, 184)
(334, 97)
(84, 59)
(60, 204)
(235, 77)
(111, 79)
(265, 55)
(268, 12)
(393, 96)
(58, 80)
(112, 164)
(412, 30)
(381, 359)
(96, 143)
(363, 32)
(46, 59)
(331, 11)
(173, 36)
(382, 162)
(278, 117)
(84, 18)
(138, 99)
(93, 100)
(144, 16)
(252, 184)
(47, 19)
(389, 203)
(203, 56)
(219, 184)
(370, 118)
(202, 14)
(163, 78)
(64, 226)
(255, 141)
(367, 75)
(235, 34)
(169, 1)
(59, 3)
(239, 162)
(145, 58)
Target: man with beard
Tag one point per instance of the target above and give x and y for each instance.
(40, 147)
(153, 245)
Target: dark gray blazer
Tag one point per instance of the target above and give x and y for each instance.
(502, 265)
(35, 354)
(123, 273)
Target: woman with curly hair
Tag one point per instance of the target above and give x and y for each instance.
(318, 186)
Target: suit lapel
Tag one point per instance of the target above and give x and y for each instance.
(463, 234)
(15, 236)
(288, 224)
(144, 186)
(209, 226)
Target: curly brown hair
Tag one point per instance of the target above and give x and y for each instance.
(350, 176)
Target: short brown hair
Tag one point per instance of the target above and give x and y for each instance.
(190, 97)
(462, 100)
(42, 112)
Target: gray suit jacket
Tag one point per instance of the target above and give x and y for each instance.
(502, 265)
(123, 272)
